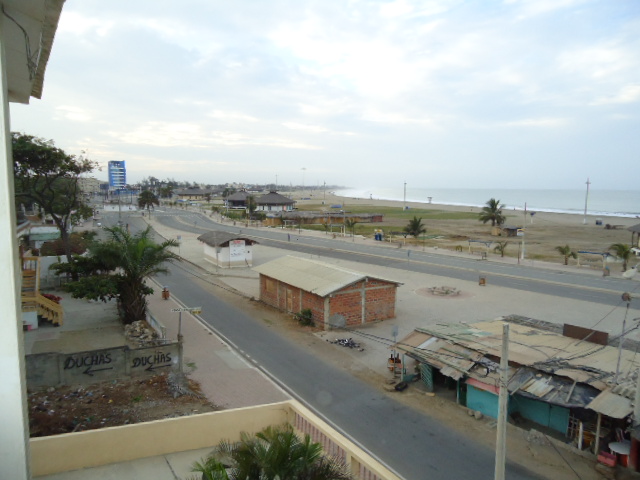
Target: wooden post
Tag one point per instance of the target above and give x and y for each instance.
(596, 449)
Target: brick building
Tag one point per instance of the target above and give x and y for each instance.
(336, 296)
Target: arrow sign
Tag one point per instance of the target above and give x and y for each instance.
(90, 372)
(151, 368)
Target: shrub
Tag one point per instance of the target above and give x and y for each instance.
(305, 317)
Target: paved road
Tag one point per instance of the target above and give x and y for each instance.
(549, 282)
(414, 445)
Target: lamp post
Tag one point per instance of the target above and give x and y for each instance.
(586, 200)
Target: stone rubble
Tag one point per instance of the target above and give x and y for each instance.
(141, 334)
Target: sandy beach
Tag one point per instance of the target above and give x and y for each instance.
(543, 232)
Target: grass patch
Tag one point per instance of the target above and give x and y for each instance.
(398, 213)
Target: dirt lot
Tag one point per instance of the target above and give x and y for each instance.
(75, 409)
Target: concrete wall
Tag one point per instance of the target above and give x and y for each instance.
(74, 451)
(53, 369)
(223, 258)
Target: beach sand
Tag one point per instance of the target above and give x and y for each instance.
(543, 232)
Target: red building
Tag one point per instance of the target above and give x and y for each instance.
(336, 296)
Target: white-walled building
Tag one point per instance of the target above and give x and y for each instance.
(274, 202)
(227, 250)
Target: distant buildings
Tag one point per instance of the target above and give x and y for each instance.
(89, 185)
(117, 175)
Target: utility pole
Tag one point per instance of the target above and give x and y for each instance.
(405, 196)
(303, 170)
(501, 447)
(626, 297)
(523, 229)
(586, 201)
(635, 441)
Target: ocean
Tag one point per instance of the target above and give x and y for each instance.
(618, 203)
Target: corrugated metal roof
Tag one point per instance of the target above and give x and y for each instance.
(611, 405)
(215, 239)
(313, 276)
(453, 360)
(550, 352)
(551, 388)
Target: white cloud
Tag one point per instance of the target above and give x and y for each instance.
(191, 135)
(223, 115)
(75, 114)
(537, 122)
(627, 94)
(76, 24)
(283, 84)
(532, 8)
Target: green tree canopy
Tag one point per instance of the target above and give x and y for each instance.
(350, 224)
(47, 176)
(492, 212)
(272, 454)
(623, 252)
(415, 227)
(147, 199)
(500, 248)
(117, 268)
(567, 253)
(166, 192)
(251, 205)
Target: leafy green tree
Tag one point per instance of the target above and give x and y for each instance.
(117, 268)
(500, 248)
(415, 227)
(272, 454)
(251, 205)
(166, 192)
(147, 199)
(492, 211)
(48, 176)
(567, 253)
(351, 225)
(78, 243)
(623, 252)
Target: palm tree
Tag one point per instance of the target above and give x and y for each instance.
(351, 224)
(492, 211)
(273, 453)
(623, 252)
(566, 252)
(147, 199)
(118, 267)
(415, 227)
(500, 248)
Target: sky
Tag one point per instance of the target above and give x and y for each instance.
(364, 94)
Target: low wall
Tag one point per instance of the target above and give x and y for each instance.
(74, 451)
(54, 369)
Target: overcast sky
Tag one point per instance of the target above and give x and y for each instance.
(522, 94)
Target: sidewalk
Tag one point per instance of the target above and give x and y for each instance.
(226, 378)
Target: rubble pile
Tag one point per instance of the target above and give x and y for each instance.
(141, 334)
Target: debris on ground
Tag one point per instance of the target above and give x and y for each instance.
(53, 411)
(346, 342)
(141, 334)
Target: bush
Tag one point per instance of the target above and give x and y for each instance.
(305, 317)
